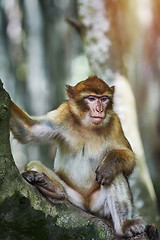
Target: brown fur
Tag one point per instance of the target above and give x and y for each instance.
(90, 85)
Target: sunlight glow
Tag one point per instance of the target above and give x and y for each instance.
(144, 12)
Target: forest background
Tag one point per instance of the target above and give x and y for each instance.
(40, 52)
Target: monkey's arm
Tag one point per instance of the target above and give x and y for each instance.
(114, 162)
(30, 129)
(120, 159)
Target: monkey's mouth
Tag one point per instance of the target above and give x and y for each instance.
(97, 120)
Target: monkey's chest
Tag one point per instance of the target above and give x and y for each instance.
(77, 170)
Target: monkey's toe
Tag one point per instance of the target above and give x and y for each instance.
(29, 176)
(40, 178)
(133, 227)
(35, 178)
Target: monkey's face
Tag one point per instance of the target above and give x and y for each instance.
(91, 101)
(97, 106)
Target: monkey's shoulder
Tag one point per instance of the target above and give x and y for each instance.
(59, 116)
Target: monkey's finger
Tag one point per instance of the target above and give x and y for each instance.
(99, 179)
(97, 170)
(104, 179)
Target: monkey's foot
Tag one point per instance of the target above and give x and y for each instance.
(50, 190)
(133, 227)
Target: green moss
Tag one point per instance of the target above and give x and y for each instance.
(18, 220)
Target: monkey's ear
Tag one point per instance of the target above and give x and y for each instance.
(113, 88)
(70, 91)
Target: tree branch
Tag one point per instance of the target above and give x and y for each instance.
(76, 24)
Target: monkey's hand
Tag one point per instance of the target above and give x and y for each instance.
(106, 172)
(114, 162)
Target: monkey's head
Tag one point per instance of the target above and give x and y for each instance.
(90, 101)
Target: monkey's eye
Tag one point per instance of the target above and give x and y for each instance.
(91, 98)
(104, 99)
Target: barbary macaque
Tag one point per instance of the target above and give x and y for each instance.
(93, 160)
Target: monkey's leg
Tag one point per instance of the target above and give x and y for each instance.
(50, 185)
(120, 204)
(116, 200)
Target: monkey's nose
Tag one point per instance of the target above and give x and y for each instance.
(99, 108)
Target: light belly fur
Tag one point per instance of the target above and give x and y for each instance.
(77, 171)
